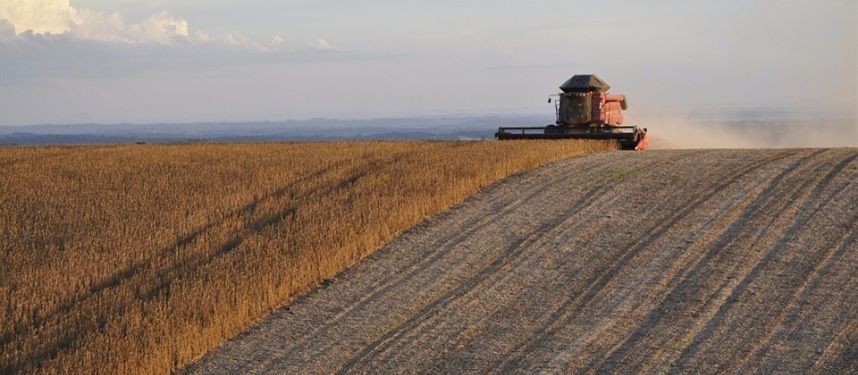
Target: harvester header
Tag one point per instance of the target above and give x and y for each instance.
(585, 110)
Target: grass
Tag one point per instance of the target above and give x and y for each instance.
(138, 259)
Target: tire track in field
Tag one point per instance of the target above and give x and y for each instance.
(643, 251)
(503, 259)
(606, 197)
(388, 284)
(779, 320)
(512, 252)
(574, 305)
(717, 230)
(805, 272)
(842, 348)
(660, 162)
(790, 323)
(698, 268)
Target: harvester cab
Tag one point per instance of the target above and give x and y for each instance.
(585, 110)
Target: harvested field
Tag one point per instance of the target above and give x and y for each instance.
(704, 261)
(138, 259)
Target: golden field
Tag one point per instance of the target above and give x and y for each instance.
(140, 258)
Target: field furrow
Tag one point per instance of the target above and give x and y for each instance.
(702, 261)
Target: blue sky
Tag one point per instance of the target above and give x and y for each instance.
(182, 61)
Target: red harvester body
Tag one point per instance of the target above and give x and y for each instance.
(585, 110)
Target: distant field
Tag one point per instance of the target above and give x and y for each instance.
(139, 259)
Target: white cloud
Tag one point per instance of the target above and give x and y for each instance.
(319, 43)
(236, 39)
(40, 16)
(161, 28)
(58, 17)
(277, 40)
(203, 37)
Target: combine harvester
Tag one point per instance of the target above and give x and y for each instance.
(585, 110)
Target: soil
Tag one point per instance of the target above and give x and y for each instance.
(709, 261)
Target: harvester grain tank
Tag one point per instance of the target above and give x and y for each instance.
(585, 110)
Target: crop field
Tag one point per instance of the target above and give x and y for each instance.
(669, 261)
(141, 258)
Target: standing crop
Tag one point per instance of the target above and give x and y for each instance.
(140, 258)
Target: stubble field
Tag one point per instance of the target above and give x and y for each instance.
(674, 261)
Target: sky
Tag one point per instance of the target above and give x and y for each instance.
(134, 61)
